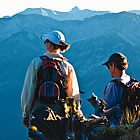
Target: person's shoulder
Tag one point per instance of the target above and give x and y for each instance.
(66, 62)
(116, 84)
(112, 83)
(112, 87)
(69, 65)
(36, 62)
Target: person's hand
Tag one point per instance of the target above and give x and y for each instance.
(25, 121)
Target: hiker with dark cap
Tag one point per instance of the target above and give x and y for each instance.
(36, 89)
(113, 93)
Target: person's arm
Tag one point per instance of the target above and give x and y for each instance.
(72, 86)
(27, 95)
(73, 91)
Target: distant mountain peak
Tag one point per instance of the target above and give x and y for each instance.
(44, 13)
(75, 9)
(6, 17)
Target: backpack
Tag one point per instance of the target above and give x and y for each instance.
(131, 100)
(50, 85)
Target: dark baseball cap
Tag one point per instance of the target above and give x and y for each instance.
(117, 58)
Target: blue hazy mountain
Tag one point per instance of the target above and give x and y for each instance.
(135, 11)
(126, 24)
(74, 14)
(92, 41)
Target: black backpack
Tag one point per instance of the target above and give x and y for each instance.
(51, 86)
(131, 100)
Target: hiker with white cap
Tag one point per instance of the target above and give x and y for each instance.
(40, 87)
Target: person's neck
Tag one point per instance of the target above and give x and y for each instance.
(120, 74)
(56, 51)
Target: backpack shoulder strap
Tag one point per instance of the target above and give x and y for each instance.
(119, 83)
(44, 57)
(133, 80)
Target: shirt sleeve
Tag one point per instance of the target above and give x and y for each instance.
(112, 95)
(72, 87)
(30, 83)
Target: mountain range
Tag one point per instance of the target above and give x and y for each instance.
(74, 14)
(93, 38)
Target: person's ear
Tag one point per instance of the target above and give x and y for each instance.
(49, 45)
(113, 65)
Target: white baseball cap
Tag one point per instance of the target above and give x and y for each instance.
(55, 37)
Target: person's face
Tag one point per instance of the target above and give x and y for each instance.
(111, 68)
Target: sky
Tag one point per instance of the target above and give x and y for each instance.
(11, 7)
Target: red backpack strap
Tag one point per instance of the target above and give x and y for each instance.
(53, 61)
